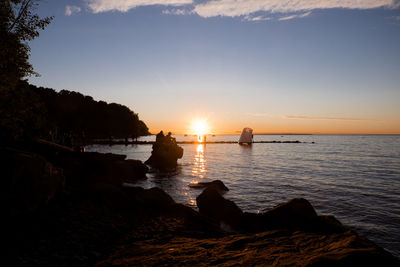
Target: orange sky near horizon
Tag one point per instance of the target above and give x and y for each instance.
(295, 125)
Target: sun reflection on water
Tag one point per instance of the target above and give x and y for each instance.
(199, 166)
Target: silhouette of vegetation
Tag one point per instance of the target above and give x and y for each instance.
(19, 112)
(72, 114)
(27, 111)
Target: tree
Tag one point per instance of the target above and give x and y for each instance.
(18, 25)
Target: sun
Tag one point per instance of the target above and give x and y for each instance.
(200, 127)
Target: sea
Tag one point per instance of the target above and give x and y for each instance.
(356, 178)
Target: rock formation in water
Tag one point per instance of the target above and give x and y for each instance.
(165, 152)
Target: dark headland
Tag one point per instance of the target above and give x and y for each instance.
(66, 208)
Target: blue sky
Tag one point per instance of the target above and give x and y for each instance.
(314, 66)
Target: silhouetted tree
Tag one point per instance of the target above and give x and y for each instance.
(71, 113)
(27, 111)
(18, 25)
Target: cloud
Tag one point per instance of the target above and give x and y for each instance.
(248, 9)
(98, 6)
(177, 11)
(234, 8)
(325, 118)
(257, 18)
(70, 10)
(296, 16)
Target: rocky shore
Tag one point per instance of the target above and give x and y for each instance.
(64, 208)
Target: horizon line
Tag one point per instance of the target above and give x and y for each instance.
(238, 133)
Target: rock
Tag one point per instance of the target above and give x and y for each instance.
(252, 223)
(270, 248)
(139, 168)
(165, 153)
(217, 184)
(295, 208)
(29, 181)
(213, 205)
(154, 198)
(295, 214)
(111, 196)
(89, 168)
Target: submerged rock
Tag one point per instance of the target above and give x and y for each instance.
(165, 153)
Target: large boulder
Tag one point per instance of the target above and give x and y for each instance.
(165, 153)
(213, 205)
(151, 199)
(295, 208)
(299, 214)
(295, 214)
(217, 184)
(29, 181)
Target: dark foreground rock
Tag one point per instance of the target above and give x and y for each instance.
(102, 223)
(165, 153)
(296, 214)
(270, 248)
(28, 181)
(213, 205)
(86, 169)
(283, 246)
(132, 226)
(217, 184)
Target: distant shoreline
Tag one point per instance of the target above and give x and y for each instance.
(356, 134)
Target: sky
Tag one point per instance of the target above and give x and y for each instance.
(294, 66)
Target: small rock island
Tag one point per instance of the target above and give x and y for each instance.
(165, 152)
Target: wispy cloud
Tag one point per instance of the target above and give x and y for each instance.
(296, 16)
(250, 10)
(70, 10)
(256, 18)
(325, 118)
(98, 6)
(177, 11)
(234, 8)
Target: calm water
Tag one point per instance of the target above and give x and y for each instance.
(354, 178)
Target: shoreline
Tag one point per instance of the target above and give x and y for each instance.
(94, 220)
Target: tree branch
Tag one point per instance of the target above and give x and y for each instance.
(22, 10)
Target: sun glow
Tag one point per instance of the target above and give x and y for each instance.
(200, 127)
